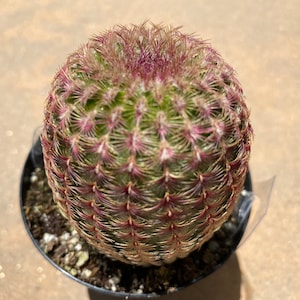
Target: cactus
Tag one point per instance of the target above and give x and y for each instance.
(146, 142)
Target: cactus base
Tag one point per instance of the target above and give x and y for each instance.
(66, 251)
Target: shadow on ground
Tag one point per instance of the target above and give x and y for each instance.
(224, 284)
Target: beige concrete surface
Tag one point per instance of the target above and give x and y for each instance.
(260, 38)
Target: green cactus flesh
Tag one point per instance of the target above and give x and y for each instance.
(146, 142)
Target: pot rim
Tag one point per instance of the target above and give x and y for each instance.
(243, 210)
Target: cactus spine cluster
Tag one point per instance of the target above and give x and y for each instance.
(146, 142)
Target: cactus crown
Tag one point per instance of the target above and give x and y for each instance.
(146, 142)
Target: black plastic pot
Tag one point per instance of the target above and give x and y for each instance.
(241, 213)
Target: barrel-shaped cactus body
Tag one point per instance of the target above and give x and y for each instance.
(146, 142)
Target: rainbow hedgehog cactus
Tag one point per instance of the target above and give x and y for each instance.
(146, 142)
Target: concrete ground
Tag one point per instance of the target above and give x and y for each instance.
(260, 38)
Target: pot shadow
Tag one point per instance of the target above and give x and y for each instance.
(223, 284)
